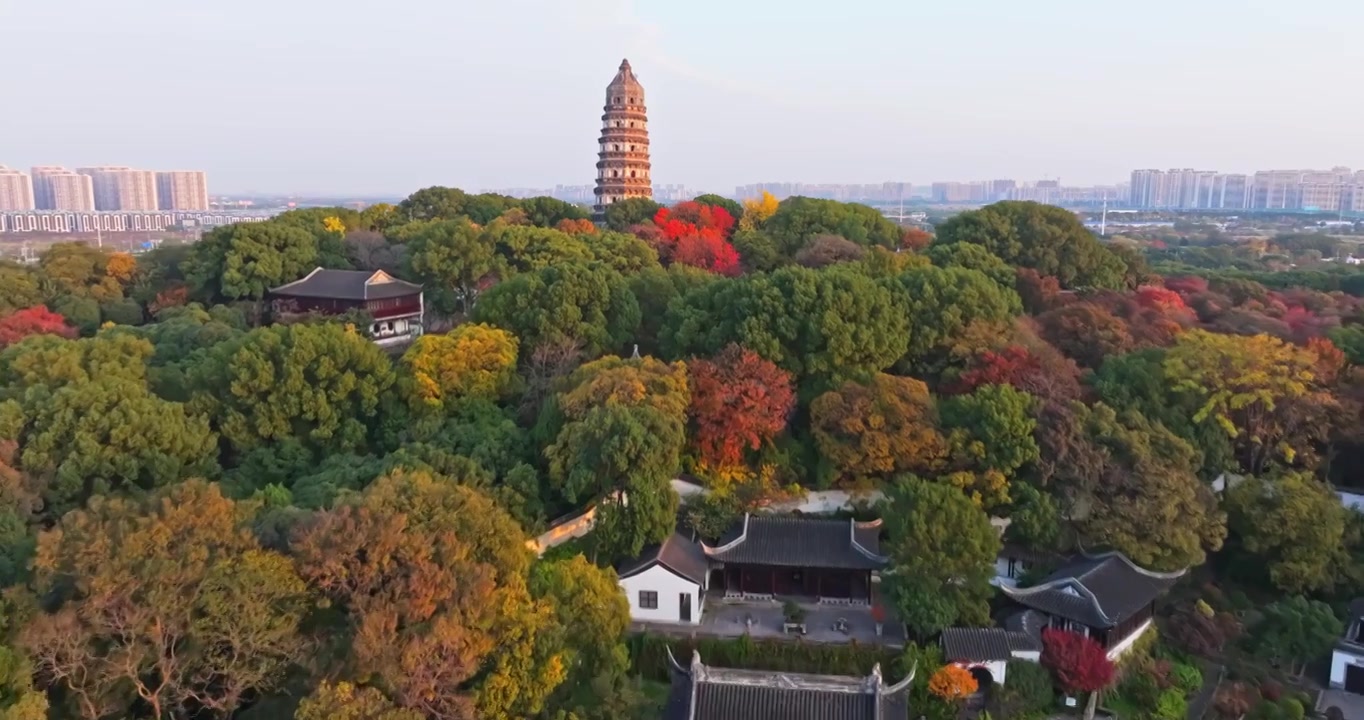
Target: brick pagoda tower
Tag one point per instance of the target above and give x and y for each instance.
(623, 158)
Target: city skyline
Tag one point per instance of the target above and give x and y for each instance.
(994, 89)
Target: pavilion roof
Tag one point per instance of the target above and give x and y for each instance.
(347, 285)
(1098, 590)
(790, 541)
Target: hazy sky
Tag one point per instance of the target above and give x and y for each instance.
(355, 97)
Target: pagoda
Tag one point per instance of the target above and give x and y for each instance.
(623, 157)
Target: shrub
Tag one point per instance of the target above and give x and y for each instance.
(1291, 709)
(1271, 690)
(1186, 678)
(1142, 689)
(1171, 705)
(1028, 692)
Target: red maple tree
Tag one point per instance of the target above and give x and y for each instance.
(36, 320)
(1160, 298)
(1078, 664)
(694, 234)
(738, 401)
(1187, 285)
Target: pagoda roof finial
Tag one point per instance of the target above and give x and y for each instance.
(625, 64)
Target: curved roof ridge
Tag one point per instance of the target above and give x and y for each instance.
(853, 527)
(899, 686)
(1148, 573)
(743, 535)
(672, 661)
(1060, 584)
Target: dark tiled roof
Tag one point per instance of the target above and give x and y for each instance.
(984, 644)
(1029, 623)
(801, 542)
(677, 553)
(706, 693)
(347, 285)
(1099, 591)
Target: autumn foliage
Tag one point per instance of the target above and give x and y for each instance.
(739, 401)
(696, 234)
(1079, 664)
(576, 227)
(36, 320)
(953, 683)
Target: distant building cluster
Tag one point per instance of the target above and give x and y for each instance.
(1052, 192)
(873, 192)
(107, 188)
(1335, 190)
(70, 221)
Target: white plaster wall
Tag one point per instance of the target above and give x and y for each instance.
(997, 668)
(1129, 641)
(669, 587)
(1340, 661)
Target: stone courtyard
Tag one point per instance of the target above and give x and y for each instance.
(764, 619)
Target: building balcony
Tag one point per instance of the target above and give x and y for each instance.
(617, 161)
(625, 112)
(623, 182)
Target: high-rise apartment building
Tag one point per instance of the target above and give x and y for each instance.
(182, 190)
(16, 190)
(42, 191)
(122, 188)
(69, 191)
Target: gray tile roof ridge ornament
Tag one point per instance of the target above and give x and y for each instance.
(731, 544)
(853, 527)
(1174, 574)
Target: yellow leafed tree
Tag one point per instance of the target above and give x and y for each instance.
(120, 266)
(471, 361)
(758, 210)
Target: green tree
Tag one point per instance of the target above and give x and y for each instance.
(20, 287)
(245, 260)
(524, 248)
(1034, 519)
(591, 304)
(758, 251)
(620, 442)
(1293, 528)
(1296, 631)
(823, 326)
(624, 253)
(91, 437)
(942, 552)
(655, 289)
(991, 428)
(731, 206)
(1140, 495)
(451, 258)
(78, 270)
(1048, 239)
(621, 215)
(52, 362)
(973, 257)
(942, 303)
(322, 385)
(442, 203)
(798, 219)
(547, 212)
(593, 616)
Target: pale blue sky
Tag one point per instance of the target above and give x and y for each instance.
(357, 97)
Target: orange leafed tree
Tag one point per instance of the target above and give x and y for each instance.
(576, 227)
(739, 401)
(953, 683)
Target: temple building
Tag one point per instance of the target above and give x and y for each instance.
(623, 156)
(1107, 598)
(763, 557)
(701, 692)
(396, 306)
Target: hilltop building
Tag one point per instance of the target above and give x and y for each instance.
(396, 306)
(623, 156)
